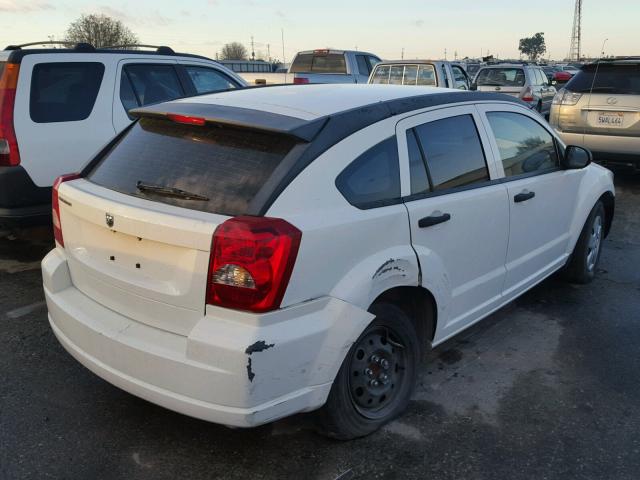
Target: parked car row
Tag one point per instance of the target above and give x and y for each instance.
(204, 251)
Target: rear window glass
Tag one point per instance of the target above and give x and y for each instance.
(501, 77)
(64, 92)
(319, 63)
(621, 79)
(227, 166)
(372, 179)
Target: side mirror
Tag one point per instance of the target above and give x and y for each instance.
(576, 158)
(473, 86)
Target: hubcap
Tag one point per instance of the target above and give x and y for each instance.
(377, 370)
(593, 247)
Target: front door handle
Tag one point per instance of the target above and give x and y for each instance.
(524, 196)
(433, 220)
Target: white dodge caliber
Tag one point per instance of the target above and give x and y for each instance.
(243, 256)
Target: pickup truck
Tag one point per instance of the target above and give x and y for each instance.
(332, 66)
(435, 73)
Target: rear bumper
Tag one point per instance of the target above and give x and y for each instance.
(608, 149)
(233, 368)
(22, 202)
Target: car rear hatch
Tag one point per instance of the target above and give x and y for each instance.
(138, 227)
(507, 80)
(613, 107)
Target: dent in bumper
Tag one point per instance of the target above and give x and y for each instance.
(234, 368)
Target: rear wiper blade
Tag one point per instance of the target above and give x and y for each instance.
(169, 191)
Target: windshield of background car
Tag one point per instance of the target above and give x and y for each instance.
(501, 77)
(319, 63)
(620, 79)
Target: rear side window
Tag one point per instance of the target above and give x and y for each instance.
(208, 79)
(319, 63)
(372, 179)
(524, 145)
(501, 77)
(154, 83)
(225, 165)
(64, 92)
(616, 79)
(453, 152)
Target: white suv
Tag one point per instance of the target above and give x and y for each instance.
(242, 256)
(59, 106)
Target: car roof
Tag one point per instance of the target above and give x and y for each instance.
(410, 62)
(310, 102)
(16, 54)
(319, 116)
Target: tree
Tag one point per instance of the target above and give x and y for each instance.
(533, 47)
(100, 31)
(233, 51)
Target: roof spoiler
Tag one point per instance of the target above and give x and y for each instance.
(246, 118)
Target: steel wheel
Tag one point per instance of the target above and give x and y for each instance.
(593, 245)
(377, 370)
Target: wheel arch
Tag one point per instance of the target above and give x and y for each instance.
(420, 306)
(609, 202)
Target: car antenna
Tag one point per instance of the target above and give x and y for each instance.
(593, 82)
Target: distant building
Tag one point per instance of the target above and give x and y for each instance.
(248, 66)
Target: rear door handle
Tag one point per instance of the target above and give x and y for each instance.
(433, 220)
(524, 196)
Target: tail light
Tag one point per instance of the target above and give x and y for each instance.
(9, 153)
(300, 80)
(566, 97)
(251, 263)
(55, 205)
(527, 96)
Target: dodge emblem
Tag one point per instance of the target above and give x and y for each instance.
(109, 219)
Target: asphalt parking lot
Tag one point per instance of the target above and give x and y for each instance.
(548, 387)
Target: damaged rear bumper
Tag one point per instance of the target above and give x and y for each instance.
(233, 368)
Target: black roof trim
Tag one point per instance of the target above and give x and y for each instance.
(248, 118)
(343, 124)
(17, 54)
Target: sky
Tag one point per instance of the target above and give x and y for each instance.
(423, 28)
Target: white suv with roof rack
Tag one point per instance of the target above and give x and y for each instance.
(59, 106)
(243, 256)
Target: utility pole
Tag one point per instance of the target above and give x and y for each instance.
(445, 53)
(455, 55)
(269, 53)
(253, 53)
(284, 60)
(402, 54)
(576, 33)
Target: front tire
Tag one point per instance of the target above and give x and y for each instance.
(586, 254)
(376, 379)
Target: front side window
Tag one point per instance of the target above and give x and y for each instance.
(208, 80)
(453, 151)
(372, 179)
(525, 146)
(459, 78)
(154, 83)
(501, 77)
(64, 92)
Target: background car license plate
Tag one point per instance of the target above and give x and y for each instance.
(611, 119)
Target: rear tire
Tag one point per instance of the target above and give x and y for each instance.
(376, 379)
(584, 260)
